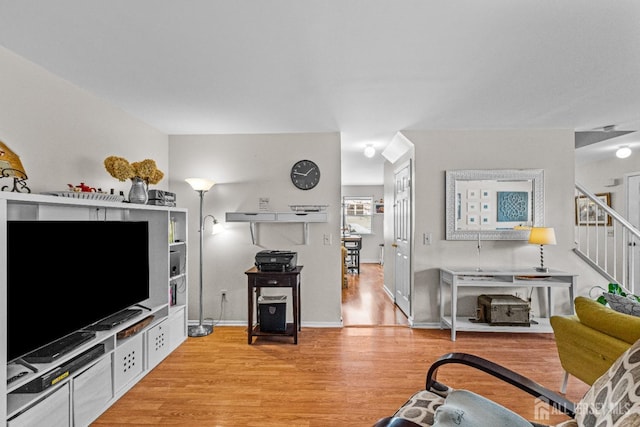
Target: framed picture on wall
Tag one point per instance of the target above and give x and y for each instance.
(589, 213)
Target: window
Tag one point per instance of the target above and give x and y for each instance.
(357, 214)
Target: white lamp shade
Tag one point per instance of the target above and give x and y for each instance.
(217, 227)
(542, 236)
(200, 184)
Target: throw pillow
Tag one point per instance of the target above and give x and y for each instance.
(613, 401)
(619, 299)
(420, 408)
(463, 408)
(624, 304)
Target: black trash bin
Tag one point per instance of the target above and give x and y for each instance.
(272, 313)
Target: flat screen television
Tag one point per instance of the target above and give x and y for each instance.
(63, 276)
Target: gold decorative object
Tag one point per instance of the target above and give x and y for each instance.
(135, 328)
(11, 167)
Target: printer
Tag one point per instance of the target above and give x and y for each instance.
(274, 260)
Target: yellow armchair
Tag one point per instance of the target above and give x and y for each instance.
(591, 340)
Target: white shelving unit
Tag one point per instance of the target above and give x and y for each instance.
(452, 279)
(78, 398)
(254, 218)
(178, 296)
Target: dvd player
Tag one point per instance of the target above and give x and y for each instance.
(63, 371)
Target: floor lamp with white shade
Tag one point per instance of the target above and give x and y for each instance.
(201, 185)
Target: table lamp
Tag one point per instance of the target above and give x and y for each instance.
(542, 236)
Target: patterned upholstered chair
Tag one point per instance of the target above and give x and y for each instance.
(612, 401)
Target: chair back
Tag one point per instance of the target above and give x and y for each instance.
(613, 399)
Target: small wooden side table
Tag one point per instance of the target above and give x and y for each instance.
(273, 279)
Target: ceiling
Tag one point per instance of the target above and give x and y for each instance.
(365, 68)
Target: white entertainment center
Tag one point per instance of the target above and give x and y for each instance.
(79, 397)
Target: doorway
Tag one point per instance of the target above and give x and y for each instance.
(366, 303)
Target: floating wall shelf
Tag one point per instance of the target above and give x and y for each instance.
(256, 217)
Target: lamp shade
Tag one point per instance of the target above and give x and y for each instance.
(217, 227)
(542, 236)
(200, 184)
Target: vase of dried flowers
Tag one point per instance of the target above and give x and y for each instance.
(138, 192)
(141, 175)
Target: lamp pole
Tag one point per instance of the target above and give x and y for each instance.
(201, 186)
(201, 329)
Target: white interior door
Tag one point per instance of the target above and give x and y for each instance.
(402, 238)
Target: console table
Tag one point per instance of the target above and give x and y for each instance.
(273, 279)
(451, 279)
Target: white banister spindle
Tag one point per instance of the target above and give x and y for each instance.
(612, 259)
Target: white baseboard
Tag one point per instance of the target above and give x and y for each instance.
(429, 325)
(244, 323)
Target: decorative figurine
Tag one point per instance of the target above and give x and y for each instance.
(11, 167)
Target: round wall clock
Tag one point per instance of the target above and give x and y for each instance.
(305, 174)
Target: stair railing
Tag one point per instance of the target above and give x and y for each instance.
(605, 240)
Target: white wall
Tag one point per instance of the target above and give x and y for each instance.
(246, 168)
(439, 151)
(63, 134)
(370, 242)
(596, 175)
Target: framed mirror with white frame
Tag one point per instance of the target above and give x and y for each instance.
(493, 204)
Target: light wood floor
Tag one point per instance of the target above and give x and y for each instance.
(365, 303)
(349, 376)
